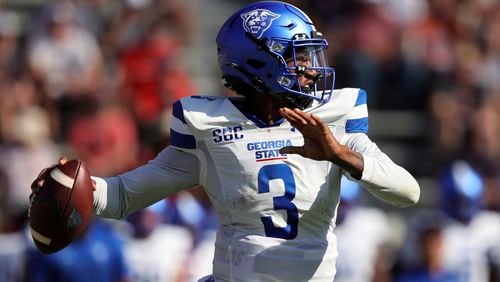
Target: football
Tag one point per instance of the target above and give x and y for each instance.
(61, 209)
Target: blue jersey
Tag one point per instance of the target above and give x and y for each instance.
(96, 256)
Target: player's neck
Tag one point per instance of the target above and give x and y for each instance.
(265, 107)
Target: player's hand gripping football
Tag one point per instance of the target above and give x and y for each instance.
(319, 142)
(61, 205)
(40, 179)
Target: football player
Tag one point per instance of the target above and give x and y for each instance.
(271, 159)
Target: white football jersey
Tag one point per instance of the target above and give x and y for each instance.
(276, 212)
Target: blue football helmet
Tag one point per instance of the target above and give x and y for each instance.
(264, 46)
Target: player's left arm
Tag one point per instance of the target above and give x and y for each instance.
(359, 157)
(381, 176)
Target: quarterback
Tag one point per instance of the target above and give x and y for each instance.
(271, 159)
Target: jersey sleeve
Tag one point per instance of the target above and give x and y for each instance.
(171, 171)
(381, 176)
(357, 117)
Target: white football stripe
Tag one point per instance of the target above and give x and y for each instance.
(40, 238)
(62, 178)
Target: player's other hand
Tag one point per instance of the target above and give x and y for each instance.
(319, 142)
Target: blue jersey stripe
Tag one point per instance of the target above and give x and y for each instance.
(178, 112)
(361, 98)
(357, 125)
(182, 140)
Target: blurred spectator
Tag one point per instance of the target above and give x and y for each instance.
(96, 256)
(461, 201)
(361, 233)
(10, 57)
(12, 256)
(434, 36)
(489, 71)
(373, 59)
(135, 18)
(104, 134)
(128, 25)
(451, 115)
(12, 238)
(96, 15)
(484, 234)
(200, 261)
(494, 263)
(153, 80)
(472, 232)
(27, 145)
(421, 257)
(67, 59)
(491, 182)
(156, 251)
(485, 132)
(192, 210)
(461, 191)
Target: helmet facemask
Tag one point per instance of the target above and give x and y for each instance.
(305, 72)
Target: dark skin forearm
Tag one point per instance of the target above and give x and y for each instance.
(350, 161)
(320, 144)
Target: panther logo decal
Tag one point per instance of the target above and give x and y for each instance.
(258, 21)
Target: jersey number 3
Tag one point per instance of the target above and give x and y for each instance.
(283, 172)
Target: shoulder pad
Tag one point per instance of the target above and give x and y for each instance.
(194, 114)
(347, 107)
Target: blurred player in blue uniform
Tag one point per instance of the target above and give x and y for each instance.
(363, 233)
(271, 159)
(156, 252)
(96, 256)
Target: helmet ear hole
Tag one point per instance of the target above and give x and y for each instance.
(256, 64)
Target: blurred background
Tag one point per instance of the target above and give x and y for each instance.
(95, 80)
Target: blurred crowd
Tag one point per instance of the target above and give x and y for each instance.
(95, 80)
